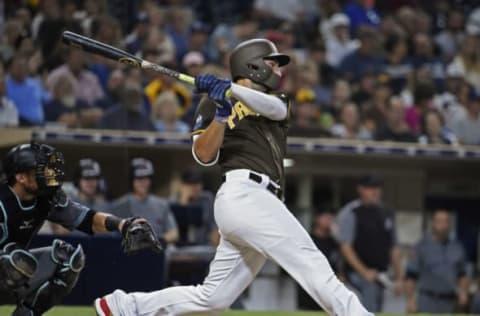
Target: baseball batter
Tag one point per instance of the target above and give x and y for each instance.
(246, 134)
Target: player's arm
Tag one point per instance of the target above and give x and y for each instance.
(207, 144)
(266, 105)
(100, 223)
(207, 132)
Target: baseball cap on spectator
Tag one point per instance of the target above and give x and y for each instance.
(193, 58)
(370, 181)
(339, 19)
(305, 95)
(141, 17)
(191, 176)
(200, 27)
(455, 70)
(141, 168)
(88, 168)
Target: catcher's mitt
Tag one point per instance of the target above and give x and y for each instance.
(138, 235)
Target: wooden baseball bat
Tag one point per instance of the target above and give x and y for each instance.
(110, 52)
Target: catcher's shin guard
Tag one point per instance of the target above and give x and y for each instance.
(69, 263)
(17, 267)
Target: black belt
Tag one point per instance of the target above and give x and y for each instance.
(438, 295)
(258, 179)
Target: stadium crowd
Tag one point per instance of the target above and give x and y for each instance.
(402, 70)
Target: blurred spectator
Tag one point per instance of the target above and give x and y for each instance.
(164, 114)
(88, 180)
(326, 73)
(467, 129)
(8, 111)
(339, 44)
(163, 83)
(179, 20)
(449, 40)
(340, 95)
(365, 89)
(107, 30)
(365, 224)
(434, 130)
(308, 119)
(193, 63)
(448, 103)
(140, 202)
(376, 109)
(395, 128)
(437, 269)
(91, 10)
(85, 83)
(128, 114)
(423, 94)
(360, 13)
(280, 10)
(64, 107)
(54, 17)
(468, 59)
(322, 236)
(473, 24)
(12, 31)
(159, 41)
(198, 39)
(424, 61)
(349, 126)
(27, 93)
(365, 59)
(226, 37)
(190, 193)
(134, 40)
(397, 65)
(113, 93)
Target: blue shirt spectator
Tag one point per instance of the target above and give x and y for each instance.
(26, 92)
(361, 14)
(364, 60)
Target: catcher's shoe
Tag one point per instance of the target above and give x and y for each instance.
(101, 307)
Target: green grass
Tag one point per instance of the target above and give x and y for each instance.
(88, 311)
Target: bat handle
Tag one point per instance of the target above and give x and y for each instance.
(191, 80)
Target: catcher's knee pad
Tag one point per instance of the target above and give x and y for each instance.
(17, 266)
(69, 263)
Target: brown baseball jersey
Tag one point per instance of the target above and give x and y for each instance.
(251, 141)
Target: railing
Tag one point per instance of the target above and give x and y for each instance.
(295, 144)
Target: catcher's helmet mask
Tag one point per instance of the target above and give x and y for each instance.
(45, 160)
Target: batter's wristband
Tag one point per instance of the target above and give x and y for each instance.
(112, 223)
(221, 119)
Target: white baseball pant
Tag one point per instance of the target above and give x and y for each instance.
(255, 226)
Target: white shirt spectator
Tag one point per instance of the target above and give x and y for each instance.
(8, 113)
(338, 47)
(452, 111)
(468, 130)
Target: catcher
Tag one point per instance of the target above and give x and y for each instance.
(37, 279)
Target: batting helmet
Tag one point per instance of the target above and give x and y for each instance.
(46, 161)
(248, 61)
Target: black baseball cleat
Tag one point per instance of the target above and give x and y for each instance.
(101, 307)
(22, 310)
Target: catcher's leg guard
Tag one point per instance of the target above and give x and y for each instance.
(66, 262)
(17, 266)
